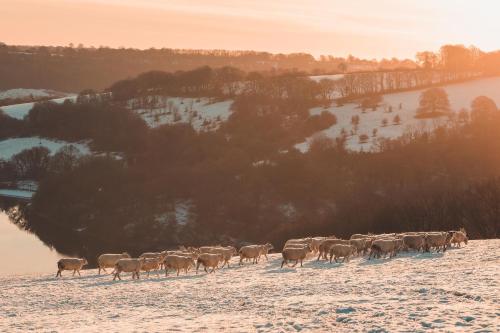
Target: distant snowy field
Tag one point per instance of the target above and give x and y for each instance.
(333, 77)
(414, 292)
(26, 93)
(460, 95)
(13, 146)
(19, 111)
(200, 112)
(17, 193)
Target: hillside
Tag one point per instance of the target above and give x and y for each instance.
(201, 113)
(75, 69)
(19, 111)
(403, 105)
(455, 291)
(13, 146)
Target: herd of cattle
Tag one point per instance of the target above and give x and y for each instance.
(295, 251)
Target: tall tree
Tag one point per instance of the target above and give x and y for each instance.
(433, 103)
(483, 108)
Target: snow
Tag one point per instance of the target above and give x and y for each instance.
(455, 291)
(333, 77)
(200, 112)
(21, 194)
(13, 146)
(27, 93)
(28, 185)
(460, 95)
(19, 111)
(181, 213)
(288, 210)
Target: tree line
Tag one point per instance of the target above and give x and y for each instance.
(453, 63)
(72, 69)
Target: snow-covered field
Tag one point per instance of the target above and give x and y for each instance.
(27, 93)
(460, 95)
(20, 194)
(200, 112)
(19, 111)
(414, 292)
(10, 147)
(333, 77)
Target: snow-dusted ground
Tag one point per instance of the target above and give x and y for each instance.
(333, 77)
(414, 292)
(10, 147)
(182, 213)
(460, 95)
(19, 111)
(200, 112)
(20, 194)
(26, 93)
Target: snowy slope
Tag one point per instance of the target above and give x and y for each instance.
(16, 193)
(18, 111)
(10, 147)
(27, 93)
(455, 291)
(460, 95)
(200, 112)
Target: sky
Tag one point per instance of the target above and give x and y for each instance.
(364, 28)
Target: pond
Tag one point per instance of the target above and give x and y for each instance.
(21, 252)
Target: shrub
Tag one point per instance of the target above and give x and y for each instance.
(396, 120)
(363, 138)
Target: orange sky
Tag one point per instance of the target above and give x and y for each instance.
(365, 28)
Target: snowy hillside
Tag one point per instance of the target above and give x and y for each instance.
(19, 93)
(18, 111)
(200, 112)
(455, 291)
(460, 95)
(13, 146)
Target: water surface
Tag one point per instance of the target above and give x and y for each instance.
(22, 252)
